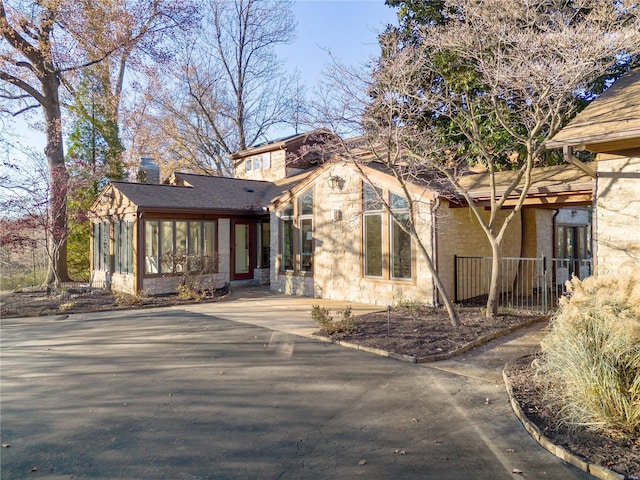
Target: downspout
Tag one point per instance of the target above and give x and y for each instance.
(434, 248)
(140, 254)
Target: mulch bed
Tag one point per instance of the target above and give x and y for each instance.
(425, 331)
(36, 302)
(621, 457)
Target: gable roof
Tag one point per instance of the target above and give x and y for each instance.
(198, 193)
(610, 122)
(283, 143)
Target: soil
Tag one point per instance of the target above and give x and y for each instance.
(402, 331)
(37, 302)
(620, 456)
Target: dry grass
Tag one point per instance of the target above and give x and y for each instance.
(591, 358)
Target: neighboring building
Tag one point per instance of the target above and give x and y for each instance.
(610, 127)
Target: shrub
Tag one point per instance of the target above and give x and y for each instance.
(191, 290)
(590, 361)
(322, 316)
(129, 300)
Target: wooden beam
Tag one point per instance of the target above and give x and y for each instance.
(569, 158)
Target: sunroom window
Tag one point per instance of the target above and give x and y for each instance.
(180, 246)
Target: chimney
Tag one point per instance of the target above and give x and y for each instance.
(148, 171)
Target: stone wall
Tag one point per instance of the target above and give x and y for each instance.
(338, 269)
(276, 171)
(617, 214)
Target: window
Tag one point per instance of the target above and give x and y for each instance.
(248, 164)
(296, 244)
(101, 246)
(266, 161)
(388, 250)
(400, 248)
(287, 238)
(256, 163)
(373, 245)
(175, 247)
(372, 210)
(152, 246)
(305, 219)
(123, 246)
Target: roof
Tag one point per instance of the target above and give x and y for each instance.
(556, 186)
(610, 121)
(314, 136)
(550, 186)
(204, 193)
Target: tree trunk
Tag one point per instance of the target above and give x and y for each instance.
(496, 279)
(453, 315)
(54, 151)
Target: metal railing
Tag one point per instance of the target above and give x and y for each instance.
(533, 284)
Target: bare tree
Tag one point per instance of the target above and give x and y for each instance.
(229, 89)
(44, 45)
(487, 88)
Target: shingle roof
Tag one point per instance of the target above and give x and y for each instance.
(615, 116)
(203, 192)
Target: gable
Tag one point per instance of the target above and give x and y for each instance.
(610, 123)
(189, 193)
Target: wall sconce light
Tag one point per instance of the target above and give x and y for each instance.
(336, 182)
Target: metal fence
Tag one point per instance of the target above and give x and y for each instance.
(533, 284)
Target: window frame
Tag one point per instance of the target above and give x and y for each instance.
(181, 263)
(386, 253)
(292, 217)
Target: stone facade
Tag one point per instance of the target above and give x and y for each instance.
(617, 214)
(338, 257)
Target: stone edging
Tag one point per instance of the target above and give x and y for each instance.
(439, 356)
(597, 471)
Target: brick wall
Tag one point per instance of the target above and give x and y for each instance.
(459, 233)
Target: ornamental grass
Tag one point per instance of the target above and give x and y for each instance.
(590, 362)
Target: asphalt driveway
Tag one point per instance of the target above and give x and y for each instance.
(185, 394)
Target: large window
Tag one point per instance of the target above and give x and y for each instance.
(388, 251)
(296, 244)
(372, 210)
(180, 246)
(286, 241)
(123, 246)
(400, 240)
(305, 222)
(101, 246)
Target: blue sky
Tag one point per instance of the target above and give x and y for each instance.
(346, 28)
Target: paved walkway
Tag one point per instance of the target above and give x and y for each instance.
(236, 390)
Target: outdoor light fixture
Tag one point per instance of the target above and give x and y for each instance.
(336, 182)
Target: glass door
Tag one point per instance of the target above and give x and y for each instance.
(242, 258)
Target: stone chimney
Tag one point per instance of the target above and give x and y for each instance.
(148, 171)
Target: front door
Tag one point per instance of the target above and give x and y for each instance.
(242, 250)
